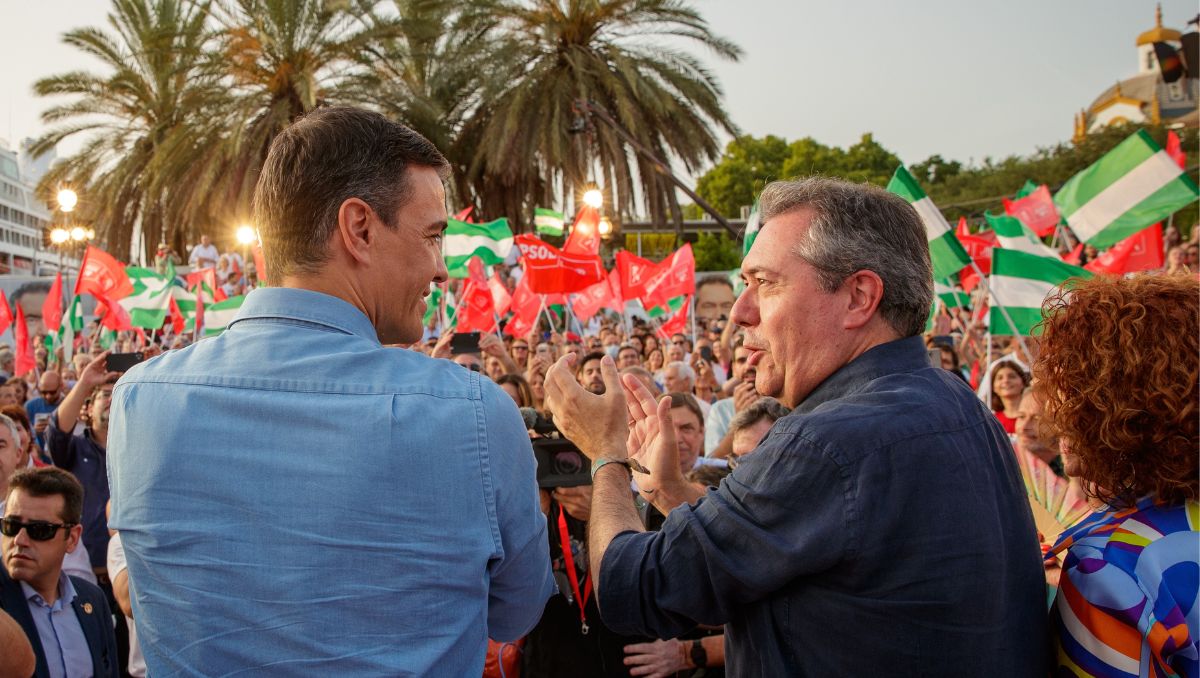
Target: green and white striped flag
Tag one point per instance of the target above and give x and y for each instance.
(951, 296)
(751, 232)
(548, 222)
(72, 324)
(150, 301)
(945, 251)
(1133, 186)
(1013, 234)
(218, 316)
(491, 242)
(1021, 282)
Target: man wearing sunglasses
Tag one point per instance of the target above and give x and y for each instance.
(67, 619)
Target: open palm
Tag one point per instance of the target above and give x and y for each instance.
(651, 438)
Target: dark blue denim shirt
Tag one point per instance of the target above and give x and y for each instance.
(880, 529)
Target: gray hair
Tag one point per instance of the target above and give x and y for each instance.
(6, 420)
(763, 408)
(858, 227)
(684, 370)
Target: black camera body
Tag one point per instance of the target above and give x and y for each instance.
(559, 461)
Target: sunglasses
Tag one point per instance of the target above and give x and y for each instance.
(474, 367)
(38, 530)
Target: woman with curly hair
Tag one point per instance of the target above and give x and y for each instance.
(1118, 375)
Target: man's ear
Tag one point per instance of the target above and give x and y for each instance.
(865, 292)
(355, 228)
(73, 537)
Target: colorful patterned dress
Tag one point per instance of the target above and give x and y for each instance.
(1129, 597)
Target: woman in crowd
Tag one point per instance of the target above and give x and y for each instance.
(1175, 261)
(655, 363)
(1009, 381)
(517, 388)
(536, 378)
(28, 449)
(1118, 377)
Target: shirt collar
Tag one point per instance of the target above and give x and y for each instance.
(66, 592)
(308, 306)
(901, 355)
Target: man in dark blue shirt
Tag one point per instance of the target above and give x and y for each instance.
(880, 529)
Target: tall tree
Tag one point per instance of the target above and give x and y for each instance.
(531, 139)
(148, 97)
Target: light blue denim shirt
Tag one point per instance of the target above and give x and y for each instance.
(296, 498)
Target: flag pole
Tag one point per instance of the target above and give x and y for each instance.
(692, 313)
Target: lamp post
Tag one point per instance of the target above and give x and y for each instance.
(67, 239)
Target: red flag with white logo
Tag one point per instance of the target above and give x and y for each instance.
(52, 307)
(585, 233)
(635, 272)
(1141, 251)
(676, 276)
(588, 302)
(102, 275)
(501, 299)
(1036, 210)
(678, 323)
(550, 270)
(475, 309)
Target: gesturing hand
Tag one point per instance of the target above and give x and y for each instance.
(597, 424)
(95, 373)
(658, 659)
(651, 438)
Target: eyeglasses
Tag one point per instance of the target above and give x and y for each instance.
(474, 367)
(38, 530)
(517, 347)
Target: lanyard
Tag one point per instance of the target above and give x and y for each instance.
(569, 562)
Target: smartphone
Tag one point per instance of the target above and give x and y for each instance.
(121, 362)
(706, 353)
(465, 342)
(40, 417)
(935, 357)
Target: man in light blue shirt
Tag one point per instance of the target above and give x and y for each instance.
(293, 496)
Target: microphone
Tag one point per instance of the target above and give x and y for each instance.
(529, 416)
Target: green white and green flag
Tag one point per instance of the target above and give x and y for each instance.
(951, 296)
(1013, 234)
(218, 316)
(1021, 282)
(672, 306)
(150, 301)
(548, 222)
(491, 242)
(108, 338)
(1134, 185)
(72, 324)
(751, 232)
(945, 251)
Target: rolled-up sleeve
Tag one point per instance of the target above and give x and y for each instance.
(785, 512)
(521, 578)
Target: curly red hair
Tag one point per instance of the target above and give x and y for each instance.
(1117, 372)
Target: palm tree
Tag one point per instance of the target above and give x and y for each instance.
(616, 55)
(282, 59)
(149, 98)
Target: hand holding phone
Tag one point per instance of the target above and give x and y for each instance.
(465, 342)
(122, 362)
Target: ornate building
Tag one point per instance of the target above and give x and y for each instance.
(1145, 97)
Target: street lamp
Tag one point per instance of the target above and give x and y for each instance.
(59, 236)
(246, 235)
(593, 198)
(67, 199)
(605, 228)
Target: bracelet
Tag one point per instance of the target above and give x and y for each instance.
(601, 462)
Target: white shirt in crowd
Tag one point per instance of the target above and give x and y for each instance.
(116, 564)
(207, 252)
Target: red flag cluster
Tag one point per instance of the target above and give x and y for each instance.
(552, 270)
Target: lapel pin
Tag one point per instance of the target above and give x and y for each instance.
(87, 608)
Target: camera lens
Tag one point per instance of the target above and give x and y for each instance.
(567, 462)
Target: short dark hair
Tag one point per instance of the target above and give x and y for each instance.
(594, 355)
(714, 280)
(323, 159)
(769, 409)
(48, 481)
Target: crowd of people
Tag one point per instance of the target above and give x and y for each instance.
(811, 464)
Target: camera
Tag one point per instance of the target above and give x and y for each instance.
(559, 461)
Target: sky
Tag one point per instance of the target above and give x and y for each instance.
(966, 80)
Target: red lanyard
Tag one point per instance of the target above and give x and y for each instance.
(569, 562)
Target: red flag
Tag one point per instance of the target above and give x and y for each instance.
(678, 323)
(635, 272)
(550, 270)
(475, 270)
(501, 299)
(519, 326)
(588, 302)
(113, 315)
(465, 215)
(52, 307)
(6, 316)
(475, 310)
(968, 278)
(260, 266)
(585, 233)
(676, 276)
(963, 229)
(204, 275)
(178, 322)
(1141, 251)
(102, 275)
(1175, 149)
(525, 307)
(1036, 210)
(1074, 255)
(615, 301)
(24, 349)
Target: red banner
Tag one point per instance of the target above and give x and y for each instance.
(102, 275)
(676, 276)
(1141, 251)
(585, 233)
(501, 299)
(550, 270)
(677, 324)
(52, 307)
(1036, 210)
(475, 310)
(635, 272)
(588, 302)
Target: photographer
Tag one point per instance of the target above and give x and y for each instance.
(570, 639)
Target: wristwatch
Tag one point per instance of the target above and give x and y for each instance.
(699, 656)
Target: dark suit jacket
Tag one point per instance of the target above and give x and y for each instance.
(94, 615)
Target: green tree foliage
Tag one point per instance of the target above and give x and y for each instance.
(717, 252)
